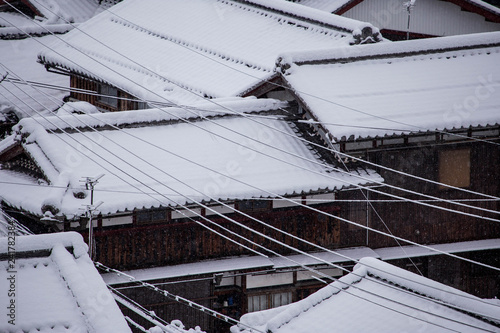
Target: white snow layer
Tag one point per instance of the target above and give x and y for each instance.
(221, 49)
(60, 292)
(416, 86)
(171, 164)
(376, 297)
(18, 58)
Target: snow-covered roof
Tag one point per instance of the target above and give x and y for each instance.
(341, 6)
(378, 297)
(59, 11)
(18, 61)
(55, 287)
(172, 162)
(51, 16)
(185, 50)
(393, 88)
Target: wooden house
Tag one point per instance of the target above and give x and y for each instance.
(426, 115)
(423, 19)
(177, 52)
(378, 297)
(184, 186)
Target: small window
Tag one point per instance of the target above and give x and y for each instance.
(152, 216)
(108, 95)
(267, 301)
(257, 303)
(254, 205)
(454, 168)
(142, 105)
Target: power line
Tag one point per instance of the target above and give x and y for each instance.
(364, 178)
(274, 240)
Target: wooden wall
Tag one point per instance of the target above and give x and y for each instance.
(423, 224)
(125, 103)
(182, 241)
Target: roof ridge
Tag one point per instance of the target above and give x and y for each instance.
(390, 50)
(145, 71)
(198, 47)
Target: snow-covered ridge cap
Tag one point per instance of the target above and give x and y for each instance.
(313, 15)
(221, 107)
(389, 50)
(30, 243)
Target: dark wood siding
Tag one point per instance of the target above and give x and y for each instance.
(423, 224)
(126, 101)
(182, 240)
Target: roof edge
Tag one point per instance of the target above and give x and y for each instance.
(389, 50)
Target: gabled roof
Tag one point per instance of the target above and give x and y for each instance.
(183, 50)
(378, 297)
(57, 288)
(339, 7)
(199, 154)
(392, 89)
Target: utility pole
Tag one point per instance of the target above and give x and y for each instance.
(90, 183)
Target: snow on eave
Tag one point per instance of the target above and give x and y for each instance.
(34, 30)
(478, 6)
(423, 132)
(389, 50)
(312, 15)
(148, 117)
(47, 242)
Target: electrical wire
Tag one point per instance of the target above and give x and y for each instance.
(364, 178)
(303, 253)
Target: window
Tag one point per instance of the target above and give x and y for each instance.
(108, 95)
(254, 205)
(257, 303)
(142, 105)
(454, 167)
(267, 301)
(152, 216)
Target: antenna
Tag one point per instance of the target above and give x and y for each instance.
(409, 6)
(90, 183)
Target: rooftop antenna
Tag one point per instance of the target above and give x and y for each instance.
(409, 6)
(90, 183)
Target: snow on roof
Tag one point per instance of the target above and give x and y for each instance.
(51, 17)
(179, 51)
(334, 6)
(19, 59)
(168, 164)
(378, 297)
(394, 88)
(330, 6)
(64, 11)
(57, 288)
